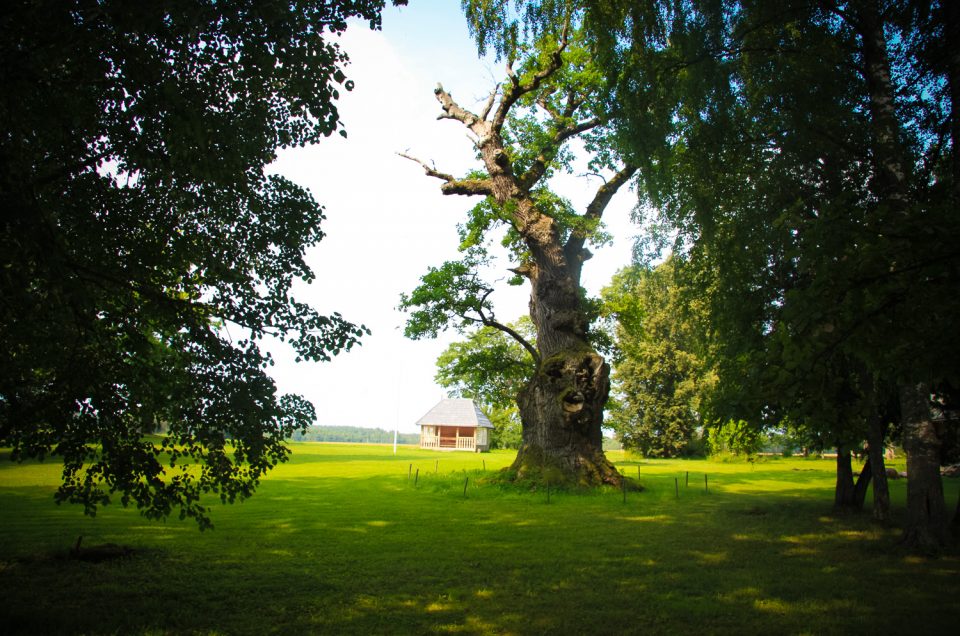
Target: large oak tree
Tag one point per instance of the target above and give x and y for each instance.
(552, 94)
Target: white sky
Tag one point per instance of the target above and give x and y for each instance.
(387, 222)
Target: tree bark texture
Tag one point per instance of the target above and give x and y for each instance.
(926, 510)
(850, 495)
(881, 491)
(562, 407)
(843, 490)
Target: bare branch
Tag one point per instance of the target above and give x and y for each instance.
(587, 175)
(430, 170)
(453, 110)
(490, 100)
(517, 89)
(539, 166)
(453, 185)
(573, 250)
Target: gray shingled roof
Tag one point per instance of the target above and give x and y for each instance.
(456, 412)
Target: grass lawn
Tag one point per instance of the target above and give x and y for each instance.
(341, 541)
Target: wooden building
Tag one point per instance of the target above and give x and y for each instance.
(455, 424)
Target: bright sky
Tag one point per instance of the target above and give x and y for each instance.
(387, 222)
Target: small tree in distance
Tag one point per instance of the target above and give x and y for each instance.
(661, 376)
(491, 368)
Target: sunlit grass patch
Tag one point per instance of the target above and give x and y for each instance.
(353, 539)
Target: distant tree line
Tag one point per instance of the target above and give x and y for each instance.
(352, 434)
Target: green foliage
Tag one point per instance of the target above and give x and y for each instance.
(766, 158)
(335, 517)
(734, 438)
(506, 26)
(661, 376)
(144, 252)
(490, 367)
(507, 430)
(450, 295)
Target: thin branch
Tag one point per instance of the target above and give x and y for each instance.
(483, 187)
(492, 322)
(573, 250)
(490, 100)
(539, 166)
(430, 170)
(607, 190)
(516, 336)
(517, 89)
(542, 103)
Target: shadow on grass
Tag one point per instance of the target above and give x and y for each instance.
(381, 555)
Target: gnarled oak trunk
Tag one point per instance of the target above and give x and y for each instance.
(562, 412)
(562, 406)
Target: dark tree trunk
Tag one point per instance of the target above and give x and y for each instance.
(926, 509)
(860, 488)
(843, 494)
(881, 493)
(847, 494)
(927, 520)
(955, 524)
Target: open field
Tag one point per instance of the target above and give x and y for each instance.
(341, 541)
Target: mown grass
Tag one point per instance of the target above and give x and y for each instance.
(341, 541)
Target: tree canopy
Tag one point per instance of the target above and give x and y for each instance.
(144, 252)
(803, 158)
(661, 377)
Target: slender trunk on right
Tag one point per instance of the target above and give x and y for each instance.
(881, 493)
(860, 488)
(955, 524)
(926, 510)
(843, 494)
